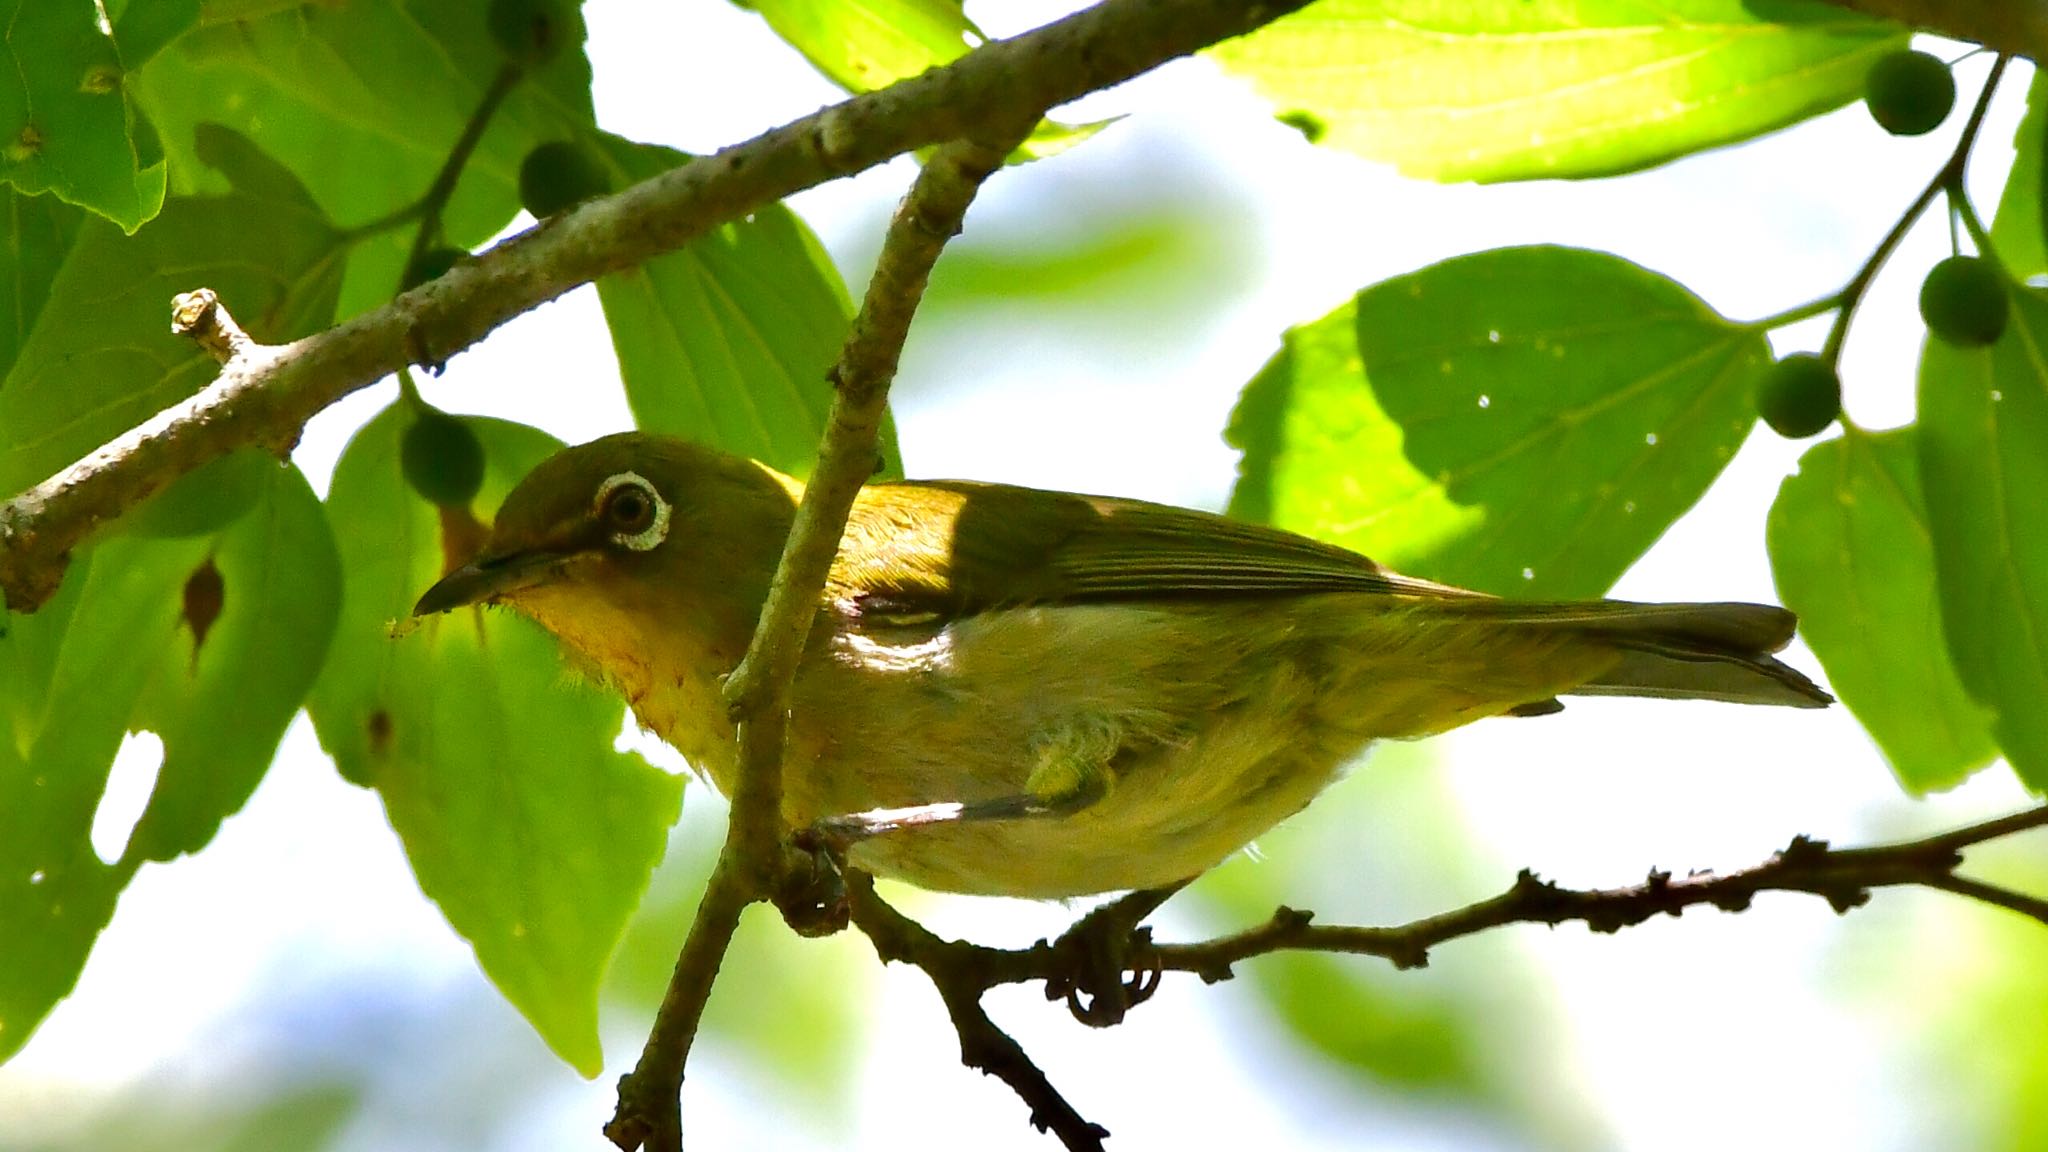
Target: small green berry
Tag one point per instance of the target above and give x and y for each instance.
(1909, 93)
(442, 458)
(1964, 301)
(558, 174)
(528, 32)
(1799, 396)
(433, 264)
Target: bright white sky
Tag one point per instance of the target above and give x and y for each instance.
(304, 906)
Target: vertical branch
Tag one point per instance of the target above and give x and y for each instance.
(757, 691)
(751, 863)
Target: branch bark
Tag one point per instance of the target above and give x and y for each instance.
(2014, 27)
(963, 971)
(751, 863)
(267, 399)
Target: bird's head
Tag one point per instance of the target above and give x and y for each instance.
(622, 545)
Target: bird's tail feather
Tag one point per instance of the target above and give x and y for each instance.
(1680, 651)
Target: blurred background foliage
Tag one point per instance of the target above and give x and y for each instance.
(1536, 415)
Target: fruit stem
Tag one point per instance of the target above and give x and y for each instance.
(408, 392)
(1794, 315)
(1959, 203)
(1951, 173)
(442, 189)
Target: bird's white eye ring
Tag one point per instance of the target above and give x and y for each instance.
(634, 512)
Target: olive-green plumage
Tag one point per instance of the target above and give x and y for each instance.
(1157, 685)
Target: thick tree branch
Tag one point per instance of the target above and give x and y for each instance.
(2014, 27)
(267, 399)
(751, 864)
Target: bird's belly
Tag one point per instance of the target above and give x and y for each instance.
(1217, 740)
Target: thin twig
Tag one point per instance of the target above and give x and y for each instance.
(1844, 877)
(961, 973)
(647, 1115)
(435, 201)
(199, 316)
(1950, 174)
(268, 402)
(751, 863)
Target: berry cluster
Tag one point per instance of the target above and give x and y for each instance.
(1964, 300)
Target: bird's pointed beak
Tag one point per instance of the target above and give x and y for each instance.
(485, 579)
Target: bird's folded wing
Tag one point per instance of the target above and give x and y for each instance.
(1012, 546)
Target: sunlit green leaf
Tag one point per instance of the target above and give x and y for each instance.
(1568, 88)
(363, 101)
(862, 45)
(496, 768)
(1526, 421)
(1984, 466)
(729, 340)
(100, 356)
(1853, 557)
(208, 641)
(65, 124)
(2018, 228)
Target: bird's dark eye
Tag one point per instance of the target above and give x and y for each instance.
(629, 509)
(632, 512)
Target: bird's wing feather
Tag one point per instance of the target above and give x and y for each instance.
(1012, 546)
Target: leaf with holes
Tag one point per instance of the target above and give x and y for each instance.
(1570, 88)
(66, 124)
(1852, 554)
(236, 624)
(1983, 436)
(100, 358)
(496, 768)
(729, 341)
(1525, 421)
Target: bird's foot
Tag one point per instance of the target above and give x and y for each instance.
(1099, 982)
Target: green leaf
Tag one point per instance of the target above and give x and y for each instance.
(1984, 464)
(1571, 88)
(143, 27)
(363, 101)
(729, 340)
(1525, 421)
(496, 769)
(1852, 554)
(221, 673)
(862, 45)
(2018, 229)
(39, 233)
(100, 357)
(66, 126)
